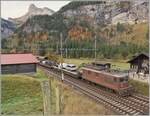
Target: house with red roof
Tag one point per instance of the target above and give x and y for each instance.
(18, 63)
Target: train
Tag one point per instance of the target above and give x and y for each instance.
(115, 81)
(101, 74)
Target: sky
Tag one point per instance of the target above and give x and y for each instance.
(16, 9)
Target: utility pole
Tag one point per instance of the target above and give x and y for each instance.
(62, 74)
(95, 47)
(95, 39)
(61, 43)
(66, 53)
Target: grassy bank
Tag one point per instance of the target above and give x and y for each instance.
(21, 95)
(141, 87)
(76, 103)
(40, 75)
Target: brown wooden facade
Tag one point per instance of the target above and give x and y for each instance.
(140, 63)
(18, 68)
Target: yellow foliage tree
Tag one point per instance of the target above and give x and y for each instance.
(54, 57)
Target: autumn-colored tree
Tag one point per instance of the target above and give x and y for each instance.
(79, 33)
(54, 57)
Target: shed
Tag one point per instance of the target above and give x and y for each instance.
(140, 63)
(18, 63)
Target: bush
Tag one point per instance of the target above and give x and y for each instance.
(120, 27)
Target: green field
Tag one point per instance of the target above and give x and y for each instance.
(21, 95)
(116, 64)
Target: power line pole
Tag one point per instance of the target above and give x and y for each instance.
(66, 50)
(61, 45)
(95, 39)
(95, 47)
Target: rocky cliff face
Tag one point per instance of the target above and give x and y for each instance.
(112, 12)
(32, 11)
(89, 13)
(7, 28)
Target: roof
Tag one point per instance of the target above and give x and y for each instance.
(41, 57)
(116, 74)
(137, 55)
(17, 59)
(71, 64)
(101, 62)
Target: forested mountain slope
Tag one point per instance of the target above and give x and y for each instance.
(120, 28)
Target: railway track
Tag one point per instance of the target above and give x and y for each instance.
(132, 105)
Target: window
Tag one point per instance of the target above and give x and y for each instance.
(126, 78)
(68, 65)
(89, 72)
(115, 79)
(121, 79)
(96, 74)
(73, 66)
(109, 80)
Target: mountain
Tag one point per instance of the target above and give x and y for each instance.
(120, 27)
(100, 13)
(32, 11)
(7, 28)
(109, 12)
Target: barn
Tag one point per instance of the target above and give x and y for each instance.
(18, 63)
(140, 63)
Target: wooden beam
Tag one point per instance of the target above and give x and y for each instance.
(46, 97)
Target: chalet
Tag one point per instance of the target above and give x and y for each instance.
(18, 63)
(140, 63)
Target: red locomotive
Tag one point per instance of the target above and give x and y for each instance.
(116, 81)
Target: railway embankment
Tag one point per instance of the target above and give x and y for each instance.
(140, 87)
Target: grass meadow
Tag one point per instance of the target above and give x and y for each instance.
(21, 95)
